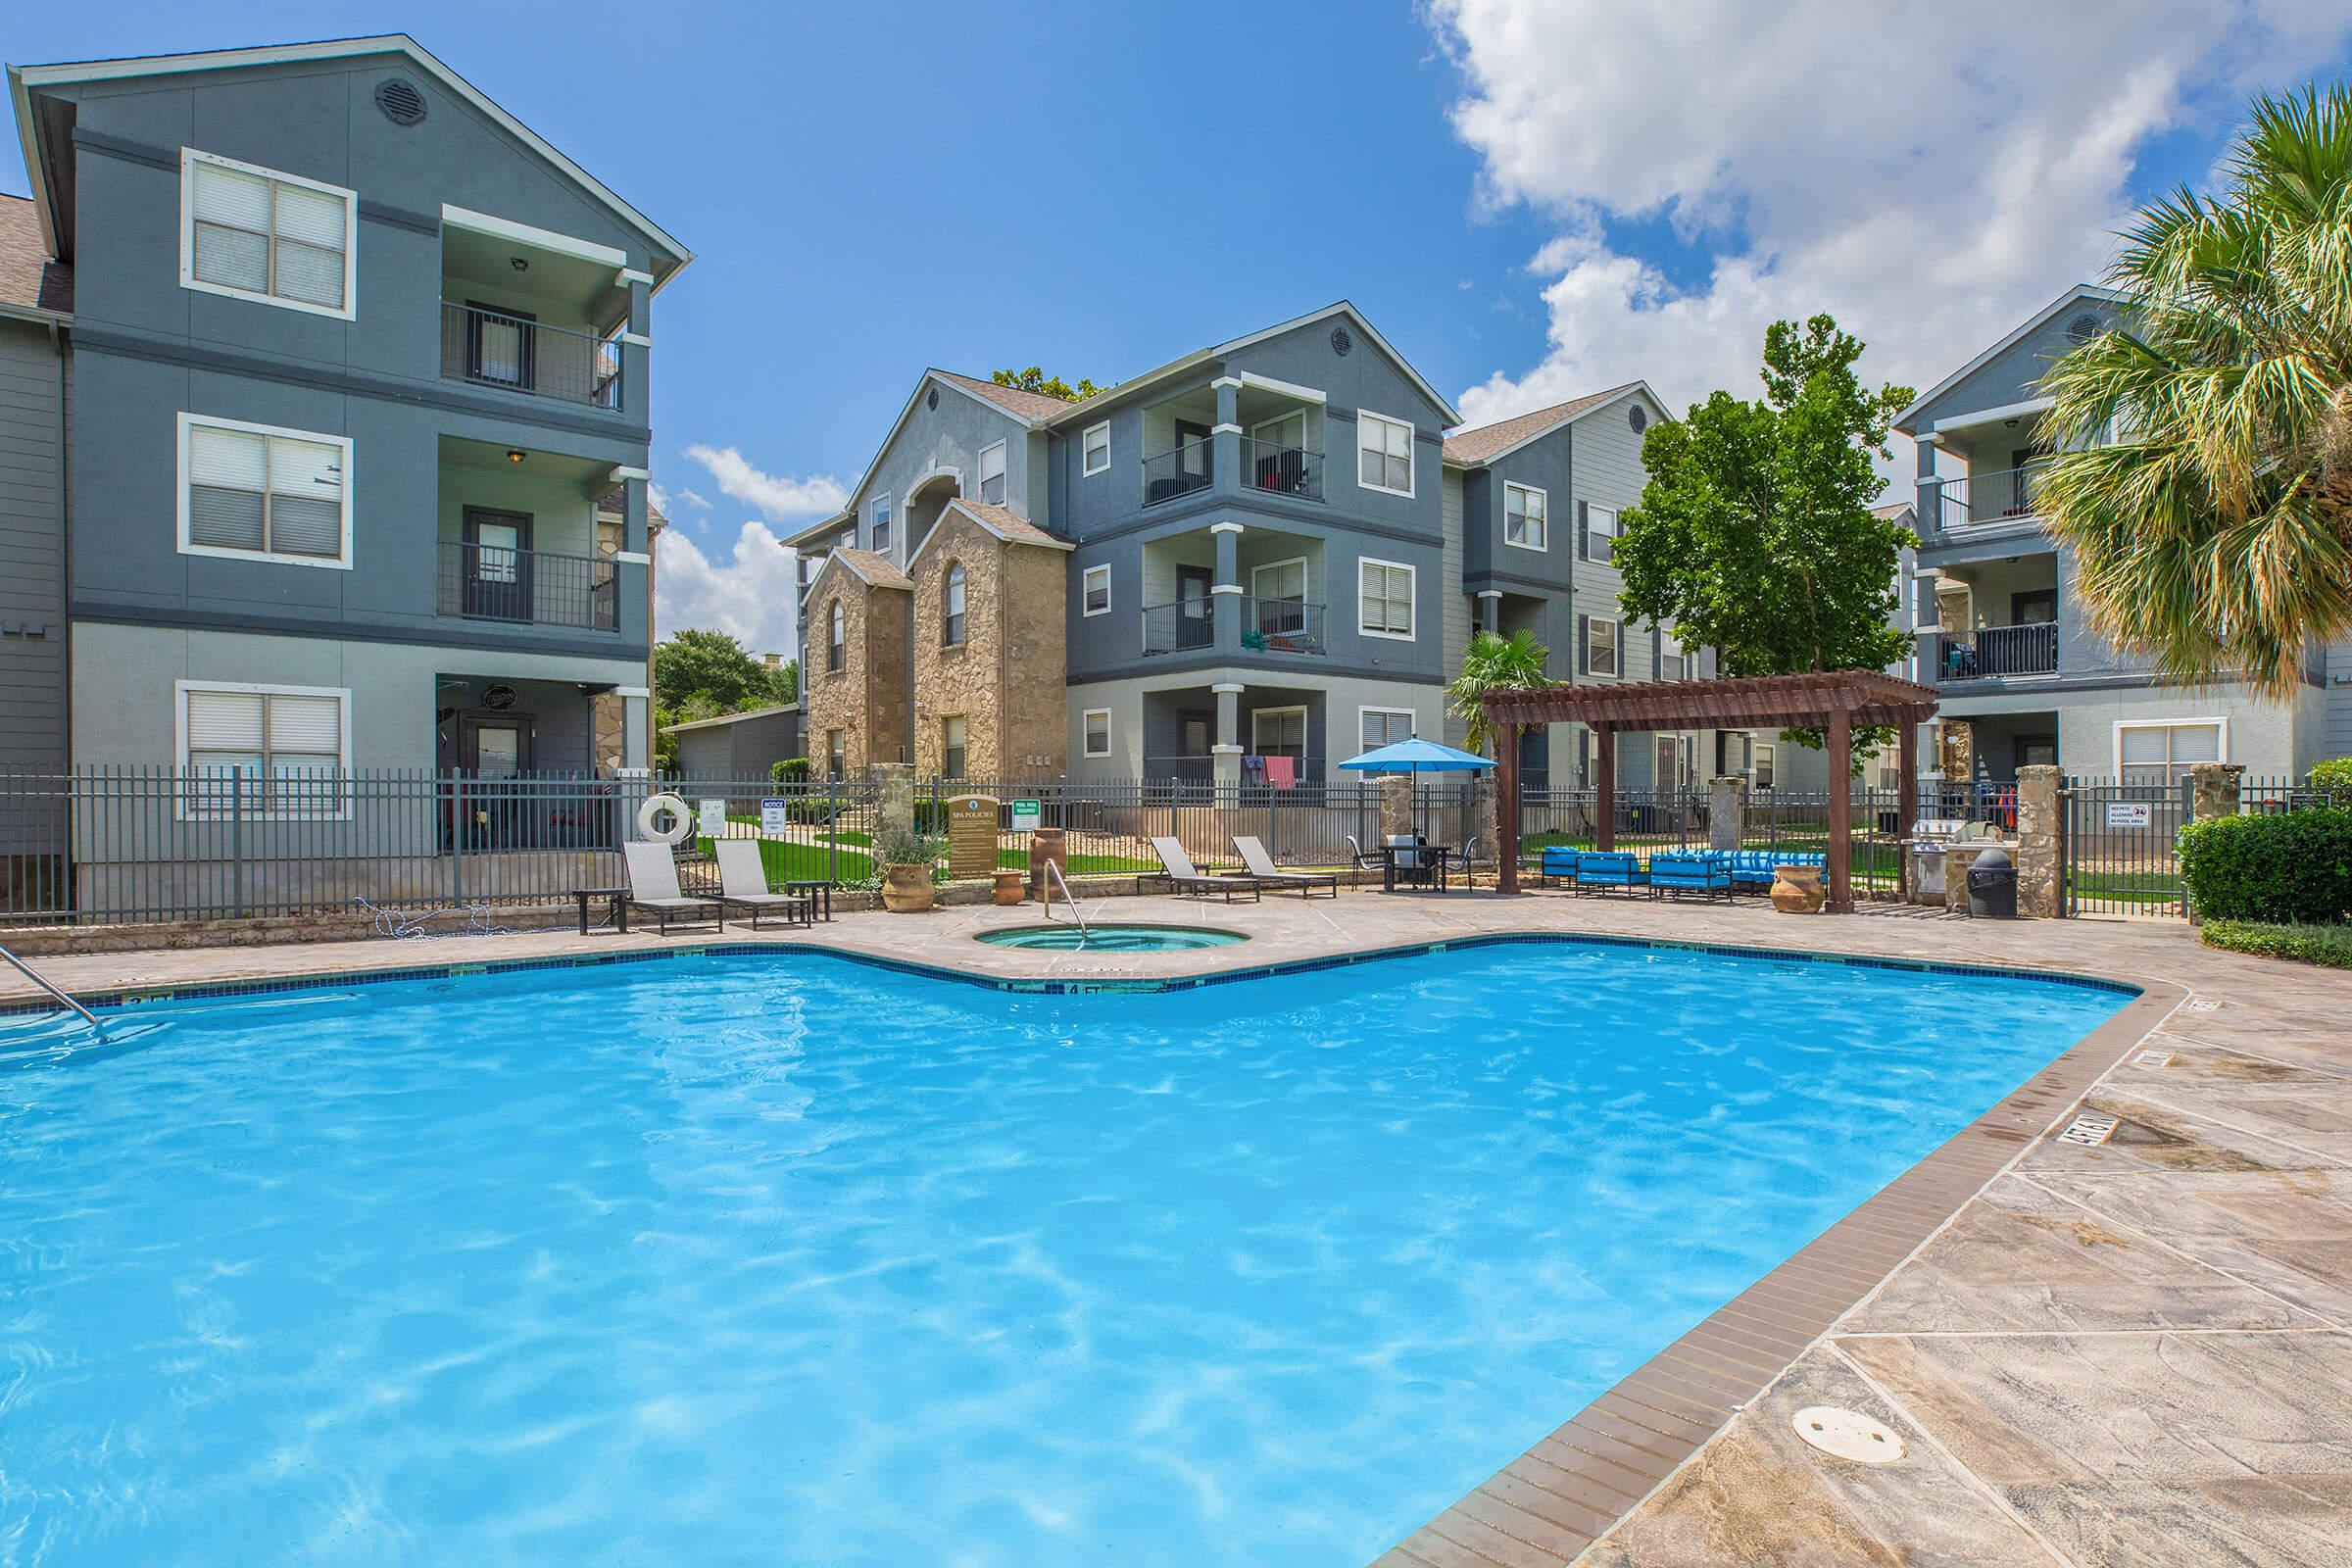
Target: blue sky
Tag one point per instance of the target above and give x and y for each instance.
(1530, 199)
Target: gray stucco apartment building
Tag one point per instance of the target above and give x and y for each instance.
(324, 391)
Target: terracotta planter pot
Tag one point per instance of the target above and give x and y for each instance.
(1797, 889)
(1009, 886)
(906, 889)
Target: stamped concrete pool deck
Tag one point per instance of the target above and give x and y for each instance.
(2138, 1352)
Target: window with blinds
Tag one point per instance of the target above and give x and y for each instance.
(265, 235)
(273, 751)
(255, 490)
(1383, 599)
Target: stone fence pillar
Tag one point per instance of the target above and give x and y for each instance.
(1395, 806)
(2040, 870)
(2214, 789)
(894, 784)
(1727, 811)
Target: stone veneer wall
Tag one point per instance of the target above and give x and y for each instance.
(1006, 679)
(866, 698)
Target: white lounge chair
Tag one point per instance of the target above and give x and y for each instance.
(654, 888)
(743, 885)
(1262, 866)
(1176, 873)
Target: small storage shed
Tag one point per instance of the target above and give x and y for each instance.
(737, 745)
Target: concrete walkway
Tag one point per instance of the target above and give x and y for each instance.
(2133, 1352)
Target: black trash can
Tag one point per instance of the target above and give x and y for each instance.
(1993, 887)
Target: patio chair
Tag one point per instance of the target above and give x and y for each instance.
(1559, 865)
(1698, 873)
(743, 885)
(1260, 866)
(1177, 875)
(1610, 871)
(654, 887)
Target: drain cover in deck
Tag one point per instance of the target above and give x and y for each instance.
(1847, 1434)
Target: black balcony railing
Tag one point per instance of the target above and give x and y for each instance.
(1179, 627)
(1998, 651)
(1188, 467)
(1281, 626)
(2005, 495)
(530, 587)
(509, 350)
(1283, 470)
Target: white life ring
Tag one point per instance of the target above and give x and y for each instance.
(650, 812)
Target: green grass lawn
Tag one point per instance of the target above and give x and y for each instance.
(2329, 946)
(788, 862)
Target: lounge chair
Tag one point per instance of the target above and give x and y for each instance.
(1177, 875)
(654, 888)
(1559, 865)
(1751, 870)
(1260, 866)
(743, 885)
(1610, 871)
(1700, 873)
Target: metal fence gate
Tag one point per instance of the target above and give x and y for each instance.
(2119, 845)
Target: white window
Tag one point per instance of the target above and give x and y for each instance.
(1766, 755)
(1526, 517)
(836, 753)
(950, 606)
(837, 643)
(1384, 452)
(1383, 726)
(254, 233)
(950, 746)
(257, 492)
(992, 474)
(1600, 646)
(1383, 599)
(1278, 580)
(1278, 732)
(1098, 731)
(1094, 591)
(1672, 666)
(269, 751)
(2164, 753)
(1094, 445)
(1600, 532)
(881, 519)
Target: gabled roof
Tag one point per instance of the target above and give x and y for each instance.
(993, 520)
(2033, 323)
(1484, 444)
(868, 567)
(23, 78)
(731, 719)
(1030, 406)
(29, 279)
(1892, 510)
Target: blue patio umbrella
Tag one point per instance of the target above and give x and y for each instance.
(1415, 756)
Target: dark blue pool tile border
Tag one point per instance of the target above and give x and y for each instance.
(137, 995)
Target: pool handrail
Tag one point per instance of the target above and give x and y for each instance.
(1052, 879)
(54, 989)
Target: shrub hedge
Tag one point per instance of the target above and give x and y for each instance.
(2286, 866)
(788, 770)
(2334, 775)
(2329, 946)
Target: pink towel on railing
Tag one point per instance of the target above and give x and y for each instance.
(1281, 772)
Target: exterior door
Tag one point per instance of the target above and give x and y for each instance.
(496, 567)
(501, 345)
(1194, 626)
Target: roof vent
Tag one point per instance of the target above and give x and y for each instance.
(402, 103)
(2082, 328)
(1340, 342)
(932, 402)
(1637, 417)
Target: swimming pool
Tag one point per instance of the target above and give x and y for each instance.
(784, 1258)
(1110, 936)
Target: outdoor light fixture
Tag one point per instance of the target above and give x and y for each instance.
(513, 454)
(520, 265)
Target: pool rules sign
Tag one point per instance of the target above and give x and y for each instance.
(971, 837)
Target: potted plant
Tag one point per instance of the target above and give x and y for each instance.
(909, 863)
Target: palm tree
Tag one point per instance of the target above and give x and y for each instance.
(1493, 664)
(2205, 475)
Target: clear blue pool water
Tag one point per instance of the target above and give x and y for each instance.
(1108, 937)
(724, 1260)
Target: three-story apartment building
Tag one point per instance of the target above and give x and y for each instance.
(341, 381)
(2020, 676)
(1245, 564)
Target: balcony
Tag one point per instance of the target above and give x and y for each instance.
(527, 587)
(515, 353)
(1268, 625)
(1283, 470)
(1179, 471)
(1991, 652)
(1976, 500)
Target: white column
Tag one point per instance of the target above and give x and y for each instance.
(1226, 753)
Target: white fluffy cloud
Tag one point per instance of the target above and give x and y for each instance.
(1929, 175)
(773, 497)
(752, 593)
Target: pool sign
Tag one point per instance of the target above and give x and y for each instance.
(773, 817)
(2123, 814)
(1026, 815)
(714, 819)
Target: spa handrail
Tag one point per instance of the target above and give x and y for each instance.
(1053, 880)
(50, 986)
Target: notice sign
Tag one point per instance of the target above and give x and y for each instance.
(1026, 815)
(2120, 815)
(714, 819)
(773, 815)
(971, 836)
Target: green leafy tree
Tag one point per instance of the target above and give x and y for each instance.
(1493, 664)
(714, 668)
(2204, 477)
(1754, 535)
(1033, 379)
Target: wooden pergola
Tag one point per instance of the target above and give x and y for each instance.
(1836, 699)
